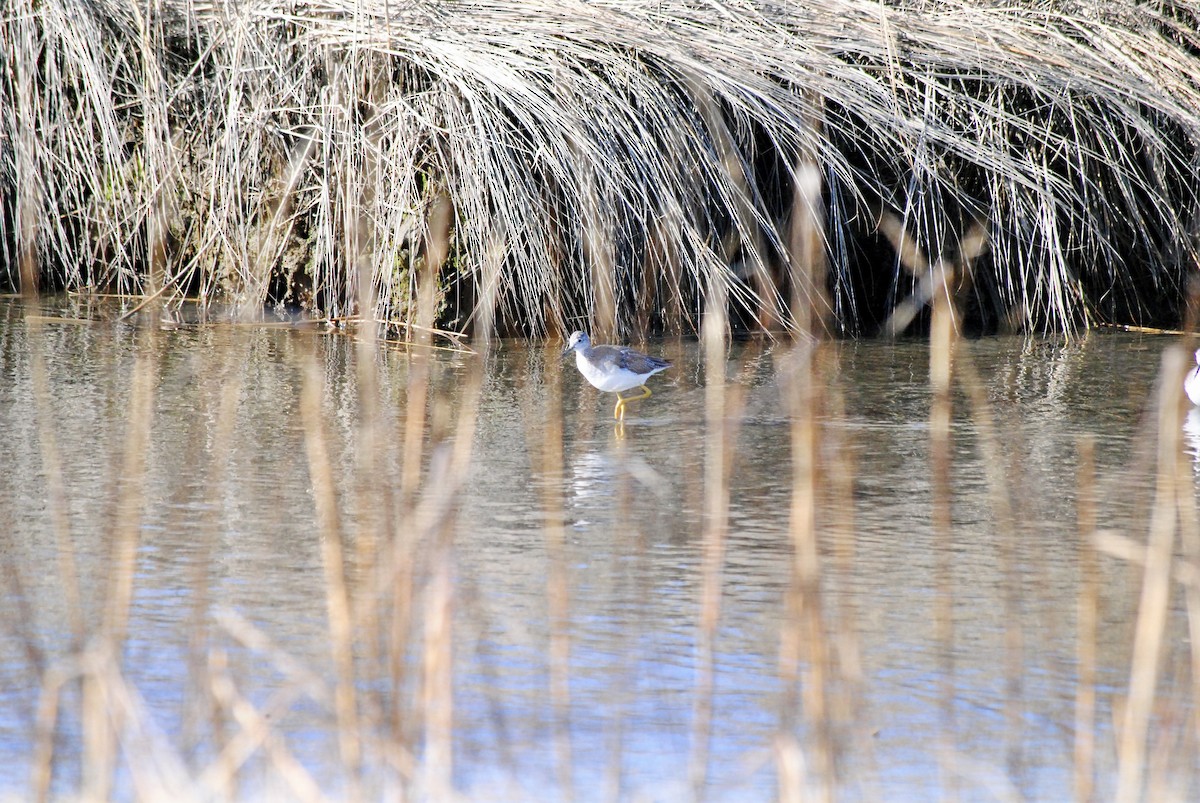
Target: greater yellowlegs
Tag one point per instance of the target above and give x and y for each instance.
(613, 369)
(1192, 383)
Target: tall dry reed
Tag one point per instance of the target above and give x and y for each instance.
(603, 155)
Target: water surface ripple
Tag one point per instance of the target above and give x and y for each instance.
(995, 703)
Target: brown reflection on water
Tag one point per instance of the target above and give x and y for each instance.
(592, 560)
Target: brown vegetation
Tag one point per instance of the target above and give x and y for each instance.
(612, 166)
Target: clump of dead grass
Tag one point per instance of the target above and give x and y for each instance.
(615, 161)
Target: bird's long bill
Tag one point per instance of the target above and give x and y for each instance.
(567, 351)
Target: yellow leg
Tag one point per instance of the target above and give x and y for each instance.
(619, 412)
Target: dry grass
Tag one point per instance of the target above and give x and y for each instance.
(612, 162)
(525, 166)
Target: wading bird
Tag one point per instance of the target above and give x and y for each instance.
(613, 369)
(1191, 384)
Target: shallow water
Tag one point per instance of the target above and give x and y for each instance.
(986, 707)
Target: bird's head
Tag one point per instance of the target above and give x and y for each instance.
(577, 341)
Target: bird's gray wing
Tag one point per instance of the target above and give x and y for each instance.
(640, 363)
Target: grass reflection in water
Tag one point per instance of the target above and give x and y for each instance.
(256, 560)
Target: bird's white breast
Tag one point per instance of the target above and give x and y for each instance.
(606, 377)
